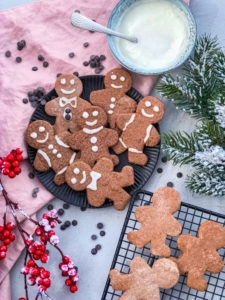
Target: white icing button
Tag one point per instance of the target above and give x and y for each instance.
(63, 81)
(156, 108)
(112, 105)
(110, 112)
(41, 129)
(95, 113)
(113, 99)
(85, 115)
(93, 139)
(76, 171)
(54, 151)
(59, 155)
(50, 146)
(33, 135)
(72, 81)
(113, 77)
(148, 104)
(94, 148)
(73, 180)
(122, 78)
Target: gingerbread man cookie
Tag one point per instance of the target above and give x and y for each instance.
(68, 87)
(157, 222)
(101, 182)
(94, 140)
(143, 282)
(199, 254)
(138, 131)
(53, 150)
(113, 98)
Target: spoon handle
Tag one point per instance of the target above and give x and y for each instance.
(80, 21)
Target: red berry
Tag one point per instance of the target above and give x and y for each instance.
(1, 161)
(19, 151)
(22, 299)
(17, 170)
(43, 248)
(12, 174)
(10, 226)
(39, 280)
(15, 163)
(6, 171)
(31, 249)
(12, 237)
(2, 229)
(3, 248)
(31, 263)
(10, 157)
(45, 216)
(38, 252)
(51, 233)
(38, 231)
(19, 157)
(60, 265)
(31, 281)
(73, 289)
(6, 233)
(42, 288)
(36, 257)
(25, 270)
(64, 273)
(45, 274)
(47, 282)
(29, 242)
(1, 237)
(2, 255)
(44, 259)
(43, 238)
(68, 282)
(7, 165)
(52, 223)
(66, 259)
(34, 272)
(7, 241)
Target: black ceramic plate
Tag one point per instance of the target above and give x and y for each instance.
(64, 192)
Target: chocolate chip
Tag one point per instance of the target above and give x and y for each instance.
(92, 64)
(31, 175)
(67, 223)
(179, 174)
(33, 99)
(100, 225)
(8, 53)
(86, 63)
(164, 159)
(60, 212)
(74, 222)
(68, 110)
(98, 247)
(21, 44)
(45, 64)
(34, 104)
(41, 57)
(170, 184)
(102, 233)
(92, 57)
(25, 100)
(94, 251)
(97, 58)
(34, 195)
(47, 251)
(97, 71)
(83, 208)
(43, 102)
(59, 74)
(76, 74)
(36, 190)
(30, 93)
(94, 237)
(86, 44)
(67, 117)
(40, 91)
(18, 59)
(101, 67)
(98, 64)
(66, 205)
(34, 68)
(62, 227)
(50, 207)
(71, 54)
(102, 57)
(159, 170)
(77, 11)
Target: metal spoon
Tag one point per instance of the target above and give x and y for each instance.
(83, 22)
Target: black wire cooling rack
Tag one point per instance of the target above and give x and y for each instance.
(190, 217)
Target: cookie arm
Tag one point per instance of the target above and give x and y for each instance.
(75, 140)
(154, 138)
(112, 137)
(96, 97)
(130, 103)
(215, 263)
(40, 164)
(141, 212)
(52, 107)
(104, 165)
(122, 119)
(173, 227)
(120, 281)
(63, 139)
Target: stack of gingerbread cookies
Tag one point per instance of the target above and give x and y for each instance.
(77, 146)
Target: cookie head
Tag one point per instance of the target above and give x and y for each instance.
(38, 133)
(118, 79)
(92, 117)
(68, 85)
(151, 108)
(78, 176)
(166, 199)
(212, 232)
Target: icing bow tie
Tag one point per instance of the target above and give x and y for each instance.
(64, 101)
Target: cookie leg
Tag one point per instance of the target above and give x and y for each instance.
(126, 176)
(120, 147)
(59, 179)
(158, 246)
(120, 199)
(137, 157)
(115, 159)
(195, 280)
(120, 281)
(138, 238)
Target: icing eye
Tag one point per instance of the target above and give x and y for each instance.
(33, 135)
(63, 81)
(85, 115)
(113, 77)
(73, 180)
(122, 78)
(156, 108)
(41, 129)
(95, 113)
(76, 171)
(148, 104)
(72, 81)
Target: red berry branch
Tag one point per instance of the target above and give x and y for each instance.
(36, 249)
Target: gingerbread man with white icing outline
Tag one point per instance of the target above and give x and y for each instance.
(53, 150)
(101, 182)
(138, 131)
(65, 107)
(94, 140)
(113, 98)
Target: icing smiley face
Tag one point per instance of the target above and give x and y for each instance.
(78, 175)
(151, 108)
(92, 118)
(68, 86)
(118, 79)
(38, 133)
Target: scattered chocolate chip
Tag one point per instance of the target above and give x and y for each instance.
(93, 64)
(71, 54)
(97, 58)
(92, 57)
(18, 59)
(62, 227)
(34, 195)
(76, 268)
(98, 247)
(47, 251)
(67, 223)
(101, 67)
(66, 205)
(86, 44)
(102, 233)
(30, 93)
(8, 53)
(33, 99)
(74, 222)
(102, 57)
(86, 63)
(21, 44)
(34, 104)
(97, 71)
(164, 159)
(68, 110)
(67, 117)
(77, 11)
(83, 208)
(43, 102)
(170, 184)
(25, 100)
(100, 225)
(50, 207)
(41, 57)
(94, 251)
(76, 74)
(60, 212)
(36, 190)
(45, 64)
(94, 237)
(34, 68)
(159, 170)
(179, 174)
(59, 74)
(31, 175)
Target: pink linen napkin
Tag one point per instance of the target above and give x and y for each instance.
(46, 27)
